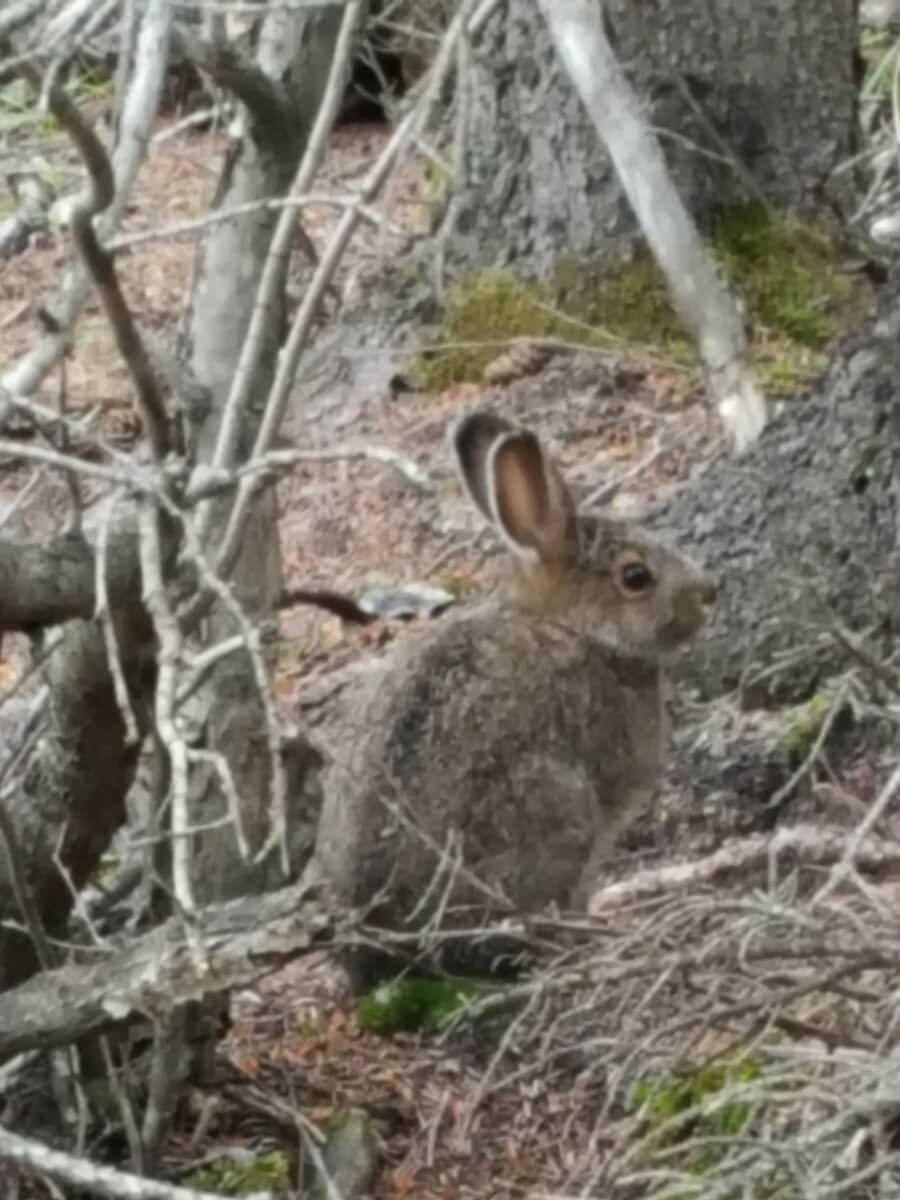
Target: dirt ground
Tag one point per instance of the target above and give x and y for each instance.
(349, 523)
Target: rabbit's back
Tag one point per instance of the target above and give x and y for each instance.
(512, 744)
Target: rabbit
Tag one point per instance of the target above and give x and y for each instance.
(496, 755)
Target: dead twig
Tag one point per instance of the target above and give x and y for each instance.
(99, 1180)
(98, 196)
(812, 846)
(104, 615)
(140, 108)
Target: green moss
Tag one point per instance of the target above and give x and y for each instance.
(105, 1102)
(695, 1105)
(662, 1098)
(415, 1003)
(436, 179)
(628, 301)
(403, 273)
(292, 652)
(15, 98)
(801, 724)
(269, 1171)
(582, 304)
(107, 866)
(91, 85)
(485, 308)
(785, 367)
(786, 271)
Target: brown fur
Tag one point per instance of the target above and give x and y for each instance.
(522, 733)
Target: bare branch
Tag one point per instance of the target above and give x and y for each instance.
(17, 15)
(218, 216)
(704, 304)
(854, 851)
(107, 623)
(101, 265)
(815, 846)
(99, 1180)
(66, 463)
(168, 635)
(22, 889)
(137, 122)
(279, 249)
(268, 104)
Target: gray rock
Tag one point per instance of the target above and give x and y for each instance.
(350, 1157)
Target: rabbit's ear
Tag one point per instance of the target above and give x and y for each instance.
(472, 437)
(531, 504)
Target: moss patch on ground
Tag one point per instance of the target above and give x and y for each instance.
(483, 312)
(227, 1177)
(413, 1003)
(801, 724)
(699, 1110)
(661, 1099)
(787, 271)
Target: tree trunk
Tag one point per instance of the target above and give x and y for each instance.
(723, 82)
(296, 49)
(804, 530)
(71, 799)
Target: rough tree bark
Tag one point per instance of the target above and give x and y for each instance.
(71, 799)
(722, 81)
(805, 530)
(295, 48)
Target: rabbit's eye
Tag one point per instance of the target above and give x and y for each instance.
(636, 577)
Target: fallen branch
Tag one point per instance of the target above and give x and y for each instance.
(42, 585)
(157, 972)
(813, 846)
(18, 14)
(98, 1180)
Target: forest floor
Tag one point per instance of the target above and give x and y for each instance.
(446, 1129)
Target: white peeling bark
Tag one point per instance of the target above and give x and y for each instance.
(698, 294)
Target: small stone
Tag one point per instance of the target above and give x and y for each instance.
(350, 1156)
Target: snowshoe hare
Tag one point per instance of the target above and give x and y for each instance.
(500, 751)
